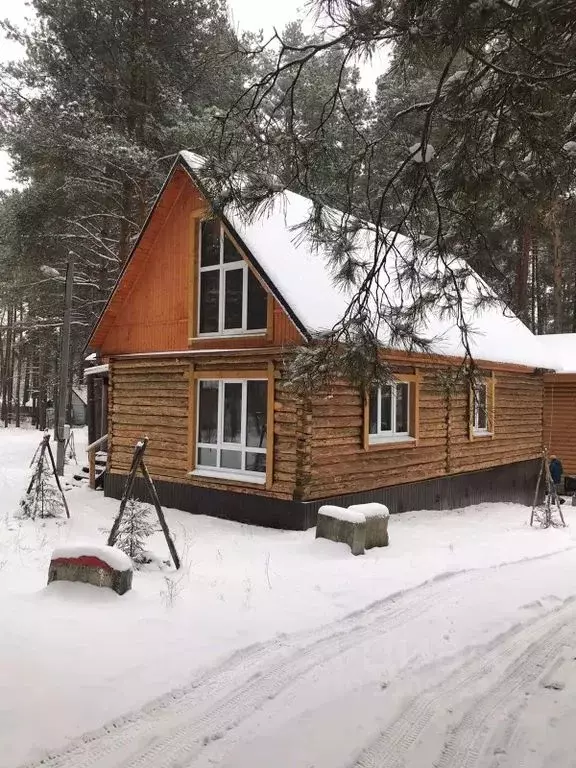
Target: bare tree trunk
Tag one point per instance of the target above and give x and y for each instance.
(27, 366)
(42, 388)
(574, 305)
(7, 367)
(13, 359)
(557, 292)
(522, 272)
(535, 287)
(20, 359)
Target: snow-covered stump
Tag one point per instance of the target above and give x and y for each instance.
(377, 516)
(100, 566)
(342, 525)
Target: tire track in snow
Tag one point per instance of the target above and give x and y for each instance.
(467, 743)
(178, 726)
(274, 665)
(525, 651)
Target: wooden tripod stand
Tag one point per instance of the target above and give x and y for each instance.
(44, 448)
(138, 464)
(551, 495)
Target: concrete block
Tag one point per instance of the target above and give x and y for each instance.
(342, 525)
(90, 568)
(377, 517)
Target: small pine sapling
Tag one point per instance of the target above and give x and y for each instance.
(44, 499)
(135, 527)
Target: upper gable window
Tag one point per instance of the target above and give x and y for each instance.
(231, 300)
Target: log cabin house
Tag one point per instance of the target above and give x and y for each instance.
(191, 348)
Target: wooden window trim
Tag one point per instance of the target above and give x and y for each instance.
(490, 382)
(194, 319)
(268, 375)
(414, 415)
(195, 218)
(271, 394)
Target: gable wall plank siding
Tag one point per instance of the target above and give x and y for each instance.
(560, 419)
(153, 308)
(154, 313)
(340, 464)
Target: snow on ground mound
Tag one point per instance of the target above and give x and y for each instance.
(112, 556)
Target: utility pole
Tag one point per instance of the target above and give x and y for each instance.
(64, 367)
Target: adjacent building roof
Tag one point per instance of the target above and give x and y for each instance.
(560, 350)
(81, 393)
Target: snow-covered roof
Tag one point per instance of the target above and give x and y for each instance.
(302, 276)
(560, 349)
(96, 369)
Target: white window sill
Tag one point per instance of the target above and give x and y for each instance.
(256, 478)
(390, 440)
(481, 433)
(229, 335)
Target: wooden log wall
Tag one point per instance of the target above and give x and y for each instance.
(518, 425)
(338, 462)
(152, 397)
(560, 419)
(318, 443)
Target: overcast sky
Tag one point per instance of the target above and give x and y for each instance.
(246, 14)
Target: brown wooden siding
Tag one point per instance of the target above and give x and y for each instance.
(338, 462)
(153, 397)
(560, 419)
(318, 443)
(153, 308)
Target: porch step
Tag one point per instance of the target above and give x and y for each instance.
(83, 475)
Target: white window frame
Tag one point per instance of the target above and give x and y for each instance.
(222, 267)
(241, 475)
(391, 435)
(476, 428)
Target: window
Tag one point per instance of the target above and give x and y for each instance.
(231, 300)
(390, 412)
(480, 411)
(231, 436)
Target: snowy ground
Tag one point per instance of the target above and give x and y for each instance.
(452, 648)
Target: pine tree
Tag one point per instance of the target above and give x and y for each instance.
(92, 117)
(135, 527)
(476, 154)
(44, 499)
